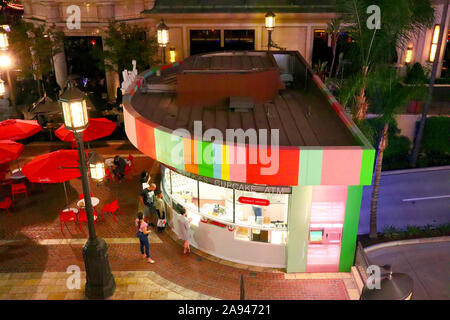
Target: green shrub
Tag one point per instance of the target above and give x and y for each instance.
(416, 74)
(396, 154)
(391, 232)
(413, 231)
(444, 229)
(436, 136)
(442, 81)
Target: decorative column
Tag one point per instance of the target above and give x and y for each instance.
(298, 228)
(105, 13)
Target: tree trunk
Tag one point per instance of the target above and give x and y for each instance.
(361, 102)
(334, 54)
(376, 184)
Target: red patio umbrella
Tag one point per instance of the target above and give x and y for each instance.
(9, 150)
(97, 128)
(16, 129)
(54, 167)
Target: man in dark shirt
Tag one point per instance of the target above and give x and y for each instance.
(119, 170)
(147, 199)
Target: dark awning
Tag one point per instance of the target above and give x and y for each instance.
(241, 6)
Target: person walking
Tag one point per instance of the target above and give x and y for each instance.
(142, 234)
(185, 230)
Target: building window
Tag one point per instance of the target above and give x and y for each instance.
(202, 41)
(239, 40)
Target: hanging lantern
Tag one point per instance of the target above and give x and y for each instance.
(163, 34)
(96, 166)
(270, 20)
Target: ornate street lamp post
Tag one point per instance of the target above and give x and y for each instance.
(163, 38)
(270, 26)
(99, 279)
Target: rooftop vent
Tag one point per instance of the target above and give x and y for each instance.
(241, 104)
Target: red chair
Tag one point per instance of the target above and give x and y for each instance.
(111, 207)
(5, 204)
(67, 215)
(18, 188)
(108, 175)
(82, 217)
(131, 158)
(74, 144)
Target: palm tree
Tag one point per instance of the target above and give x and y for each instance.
(400, 21)
(333, 30)
(386, 93)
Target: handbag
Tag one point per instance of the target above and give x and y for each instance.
(161, 223)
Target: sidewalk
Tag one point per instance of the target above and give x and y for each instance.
(34, 254)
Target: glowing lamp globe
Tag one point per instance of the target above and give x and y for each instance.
(270, 20)
(73, 103)
(163, 34)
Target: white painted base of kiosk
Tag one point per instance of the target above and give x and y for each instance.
(221, 243)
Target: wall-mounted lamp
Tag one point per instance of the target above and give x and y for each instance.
(172, 55)
(409, 52)
(434, 42)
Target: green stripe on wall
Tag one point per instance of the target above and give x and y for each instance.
(350, 230)
(298, 227)
(206, 167)
(169, 149)
(310, 168)
(367, 163)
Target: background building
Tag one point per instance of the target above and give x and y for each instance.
(211, 25)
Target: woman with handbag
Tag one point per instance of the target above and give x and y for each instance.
(142, 234)
(160, 211)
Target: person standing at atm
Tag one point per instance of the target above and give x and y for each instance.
(185, 230)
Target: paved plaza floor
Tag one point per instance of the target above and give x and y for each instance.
(35, 254)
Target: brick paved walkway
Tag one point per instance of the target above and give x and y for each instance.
(43, 250)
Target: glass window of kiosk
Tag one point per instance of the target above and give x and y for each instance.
(216, 201)
(184, 190)
(261, 210)
(251, 211)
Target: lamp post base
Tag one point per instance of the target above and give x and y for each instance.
(100, 282)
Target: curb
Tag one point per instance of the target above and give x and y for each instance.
(406, 242)
(403, 171)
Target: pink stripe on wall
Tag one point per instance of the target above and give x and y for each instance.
(145, 136)
(130, 127)
(238, 170)
(341, 167)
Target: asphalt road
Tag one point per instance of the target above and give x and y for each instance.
(416, 198)
(428, 264)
